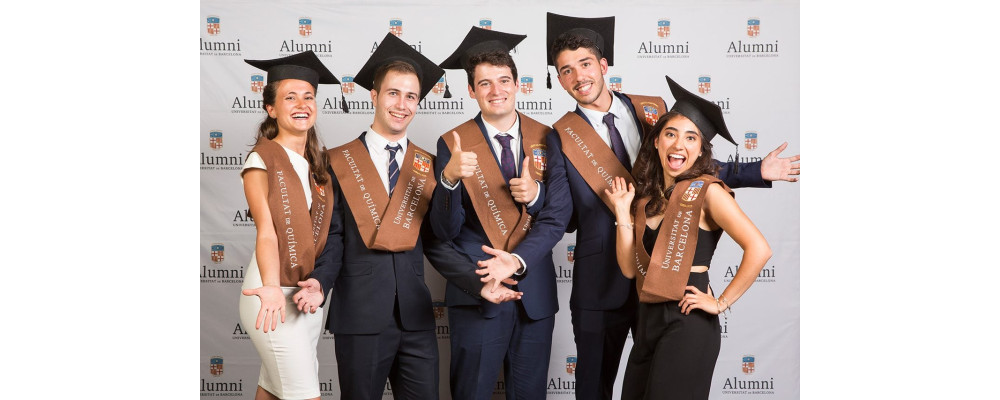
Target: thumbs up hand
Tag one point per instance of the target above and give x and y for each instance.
(524, 189)
(462, 164)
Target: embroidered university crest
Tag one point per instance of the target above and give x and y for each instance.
(396, 26)
(527, 84)
(692, 191)
(651, 112)
(486, 23)
(538, 158)
(347, 83)
(218, 252)
(215, 140)
(704, 84)
(615, 83)
(753, 27)
(750, 141)
(215, 366)
(421, 163)
(663, 28)
(305, 27)
(439, 86)
(257, 83)
(570, 364)
(319, 189)
(213, 25)
(569, 252)
(748, 366)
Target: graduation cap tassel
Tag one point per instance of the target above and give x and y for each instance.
(343, 101)
(548, 78)
(736, 168)
(447, 92)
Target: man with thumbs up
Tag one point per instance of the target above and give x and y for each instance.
(493, 202)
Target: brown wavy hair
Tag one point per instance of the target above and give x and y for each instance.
(648, 172)
(495, 58)
(315, 151)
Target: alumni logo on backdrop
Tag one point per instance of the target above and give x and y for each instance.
(705, 87)
(571, 364)
(215, 139)
(527, 84)
(215, 385)
(218, 159)
(396, 26)
(486, 23)
(218, 252)
(704, 84)
(218, 43)
(438, 88)
(766, 275)
(441, 327)
(256, 83)
(746, 378)
(304, 29)
(664, 43)
(218, 270)
(569, 252)
(347, 84)
(750, 140)
(756, 45)
(615, 83)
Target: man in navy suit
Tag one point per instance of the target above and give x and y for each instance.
(603, 302)
(491, 201)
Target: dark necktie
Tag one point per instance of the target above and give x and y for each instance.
(393, 167)
(506, 156)
(617, 145)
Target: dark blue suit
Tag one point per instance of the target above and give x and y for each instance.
(603, 302)
(485, 335)
(380, 313)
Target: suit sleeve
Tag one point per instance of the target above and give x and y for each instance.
(749, 175)
(452, 264)
(550, 224)
(332, 259)
(535, 208)
(446, 215)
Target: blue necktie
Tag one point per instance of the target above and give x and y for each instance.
(617, 145)
(506, 156)
(393, 167)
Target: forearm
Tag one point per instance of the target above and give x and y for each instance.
(753, 261)
(268, 262)
(625, 251)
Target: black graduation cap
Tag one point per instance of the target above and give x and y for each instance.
(391, 49)
(706, 115)
(479, 41)
(303, 66)
(600, 30)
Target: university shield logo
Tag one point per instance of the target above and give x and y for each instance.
(421, 163)
(305, 27)
(704, 84)
(748, 366)
(750, 141)
(396, 26)
(319, 189)
(753, 27)
(257, 83)
(213, 25)
(651, 112)
(615, 83)
(663, 28)
(538, 158)
(347, 83)
(439, 308)
(527, 84)
(218, 252)
(692, 191)
(569, 252)
(439, 86)
(570, 364)
(486, 23)
(215, 366)
(215, 140)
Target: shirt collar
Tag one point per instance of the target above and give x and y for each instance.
(617, 108)
(377, 143)
(515, 130)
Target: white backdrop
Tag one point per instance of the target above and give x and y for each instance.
(748, 53)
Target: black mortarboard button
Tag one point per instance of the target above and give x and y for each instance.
(303, 66)
(600, 30)
(706, 115)
(479, 41)
(391, 49)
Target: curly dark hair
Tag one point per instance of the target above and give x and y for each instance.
(648, 172)
(567, 41)
(315, 151)
(496, 58)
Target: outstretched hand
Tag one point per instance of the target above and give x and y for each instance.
(621, 196)
(499, 295)
(272, 303)
(499, 268)
(310, 297)
(773, 168)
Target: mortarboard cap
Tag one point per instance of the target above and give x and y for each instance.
(600, 30)
(391, 49)
(479, 41)
(303, 66)
(706, 115)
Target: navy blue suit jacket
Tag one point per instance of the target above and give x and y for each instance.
(368, 284)
(597, 281)
(454, 218)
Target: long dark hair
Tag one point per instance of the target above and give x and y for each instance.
(648, 172)
(315, 151)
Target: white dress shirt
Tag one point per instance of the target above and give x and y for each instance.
(380, 156)
(624, 121)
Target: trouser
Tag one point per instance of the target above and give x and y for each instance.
(600, 338)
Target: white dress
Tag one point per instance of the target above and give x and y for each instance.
(289, 367)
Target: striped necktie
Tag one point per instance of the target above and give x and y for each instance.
(393, 167)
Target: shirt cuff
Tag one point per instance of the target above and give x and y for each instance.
(444, 182)
(538, 192)
(524, 267)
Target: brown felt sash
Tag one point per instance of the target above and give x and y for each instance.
(590, 156)
(390, 224)
(505, 225)
(293, 223)
(647, 110)
(663, 276)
